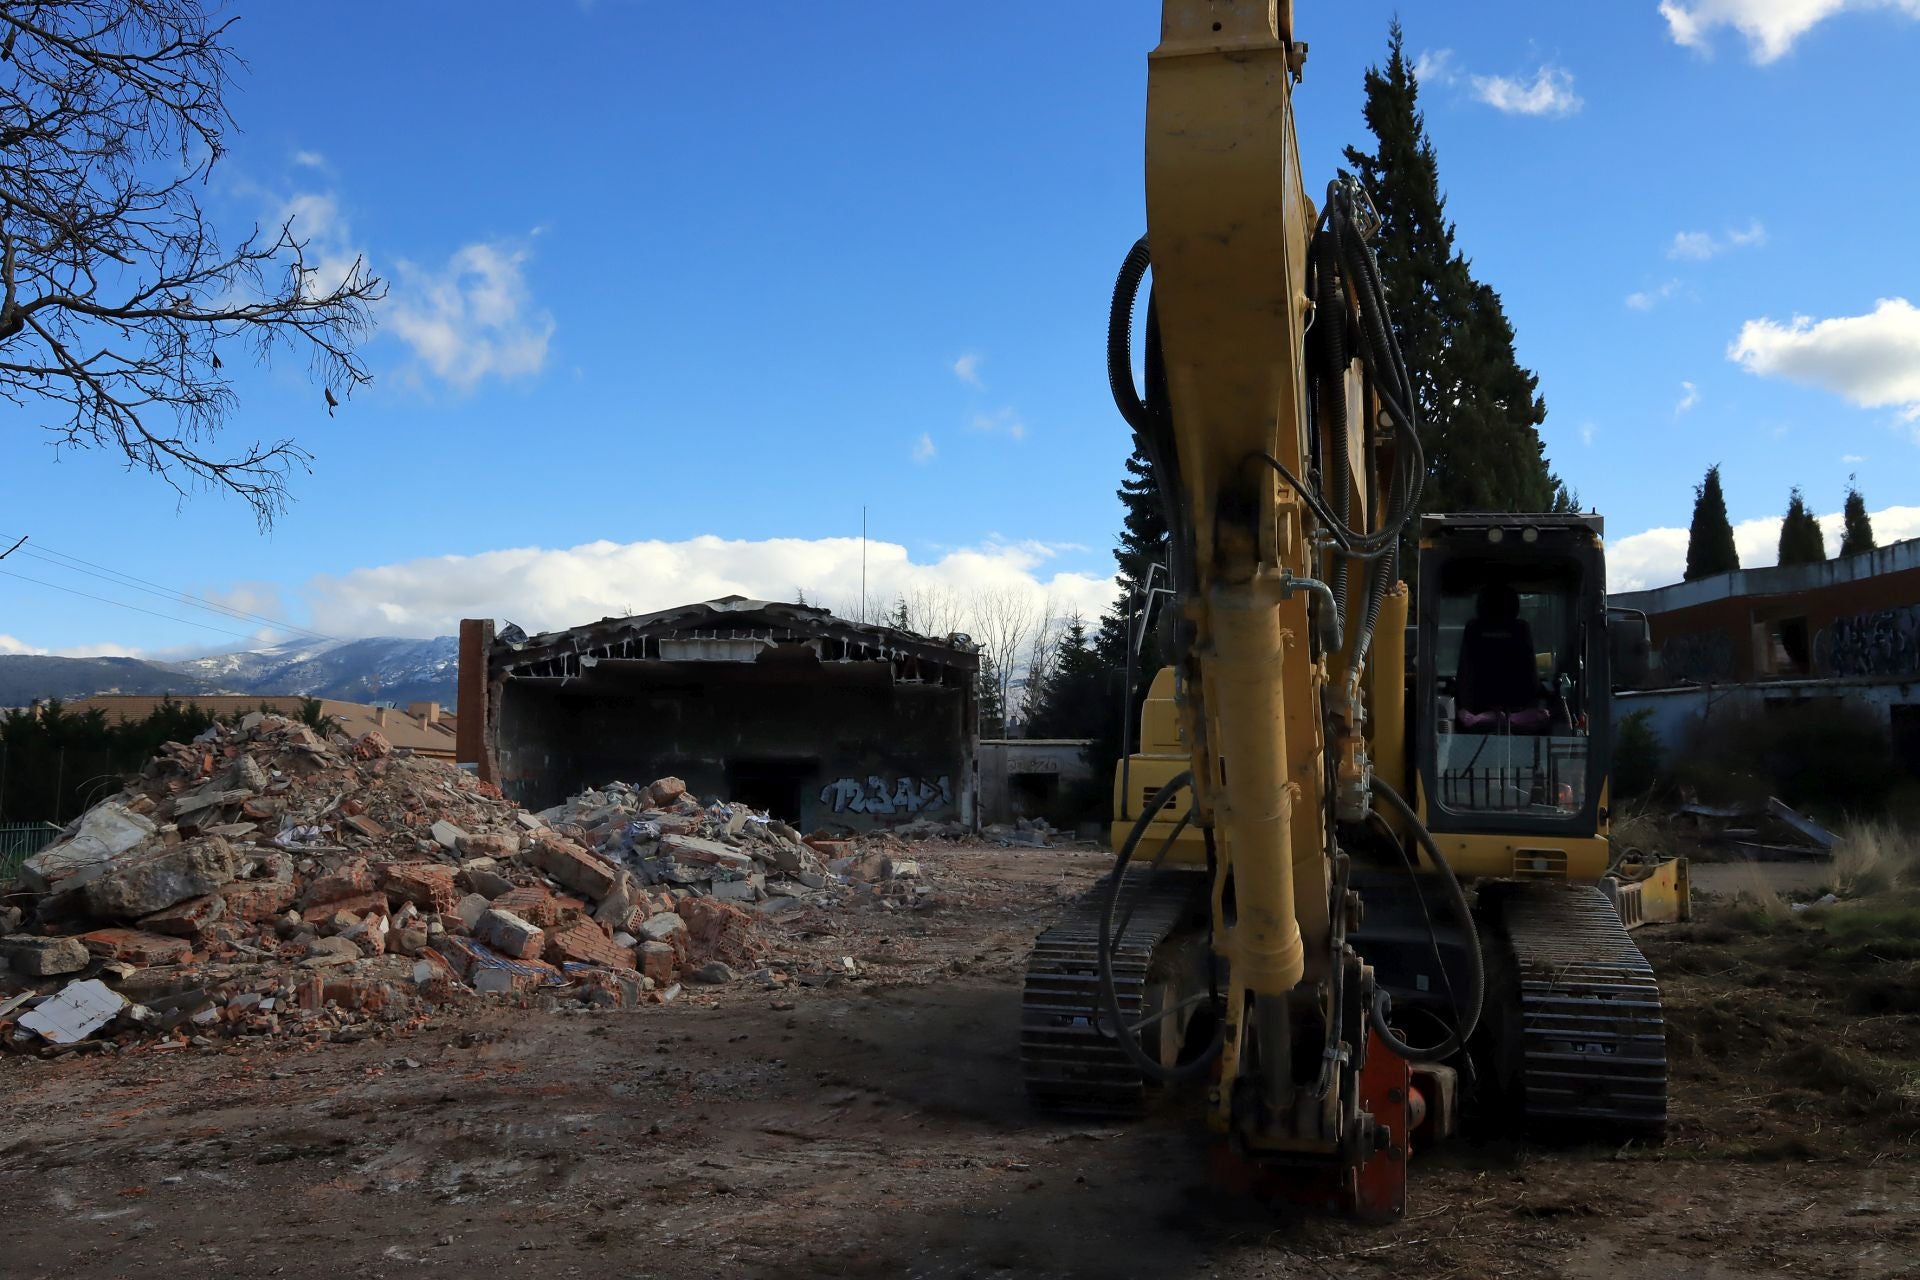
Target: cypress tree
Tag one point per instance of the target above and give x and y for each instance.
(1710, 548)
(1857, 536)
(1801, 541)
(1480, 409)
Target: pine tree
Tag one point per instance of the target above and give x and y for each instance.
(1857, 536)
(1143, 540)
(1480, 410)
(1075, 702)
(993, 707)
(1710, 548)
(1801, 541)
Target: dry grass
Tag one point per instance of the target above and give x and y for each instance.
(1875, 857)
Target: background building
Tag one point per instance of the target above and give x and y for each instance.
(784, 707)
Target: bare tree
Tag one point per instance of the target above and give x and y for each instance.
(929, 610)
(1043, 658)
(1002, 621)
(119, 298)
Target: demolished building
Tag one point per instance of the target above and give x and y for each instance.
(819, 720)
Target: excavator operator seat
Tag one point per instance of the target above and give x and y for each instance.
(1496, 685)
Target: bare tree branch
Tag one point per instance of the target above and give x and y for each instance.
(116, 296)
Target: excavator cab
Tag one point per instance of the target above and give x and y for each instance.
(1511, 693)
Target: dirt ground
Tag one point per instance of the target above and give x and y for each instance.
(877, 1127)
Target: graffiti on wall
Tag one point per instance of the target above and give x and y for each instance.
(1883, 643)
(1705, 658)
(880, 797)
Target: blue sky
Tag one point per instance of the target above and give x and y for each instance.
(676, 290)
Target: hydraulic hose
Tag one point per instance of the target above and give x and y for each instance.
(1109, 993)
(1476, 963)
(1126, 289)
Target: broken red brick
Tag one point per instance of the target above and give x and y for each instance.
(324, 913)
(571, 865)
(366, 826)
(186, 919)
(136, 947)
(256, 900)
(533, 903)
(428, 885)
(658, 960)
(583, 942)
(348, 882)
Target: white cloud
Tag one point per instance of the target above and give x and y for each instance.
(1689, 397)
(1586, 433)
(545, 589)
(310, 159)
(1550, 93)
(1770, 26)
(1648, 299)
(923, 449)
(1658, 557)
(330, 254)
(1435, 66)
(1872, 360)
(967, 369)
(475, 318)
(10, 645)
(1851, 458)
(1002, 421)
(1701, 245)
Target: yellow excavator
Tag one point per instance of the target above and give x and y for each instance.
(1355, 899)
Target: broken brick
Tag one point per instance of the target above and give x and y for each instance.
(583, 942)
(571, 865)
(428, 885)
(186, 919)
(137, 947)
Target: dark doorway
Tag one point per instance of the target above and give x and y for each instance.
(777, 786)
(1905, 723)
(1034, 795)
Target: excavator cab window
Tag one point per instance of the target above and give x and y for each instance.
(1515, 690)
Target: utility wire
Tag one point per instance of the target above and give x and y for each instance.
(42, 552)
(192, 622)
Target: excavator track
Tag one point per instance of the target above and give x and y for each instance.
(1071, 1064)
(1589, 1050)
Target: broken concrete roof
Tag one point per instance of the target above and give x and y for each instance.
(731, 629)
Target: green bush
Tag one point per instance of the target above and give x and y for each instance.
(1824, 756)
(1637, 757)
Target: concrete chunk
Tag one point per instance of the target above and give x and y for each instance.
(662, 927)
(447, 834)
(108, 830)
(471, 908)
(141, 884)
(508, 934)
(709, 853)
(36, 957)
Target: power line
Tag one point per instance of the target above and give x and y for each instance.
(181, 597)
(41, 551)
(191, 622)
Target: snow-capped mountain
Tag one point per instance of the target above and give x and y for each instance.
(378, 669)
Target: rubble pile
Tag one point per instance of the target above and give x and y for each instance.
(733, 853)
(264, 881)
